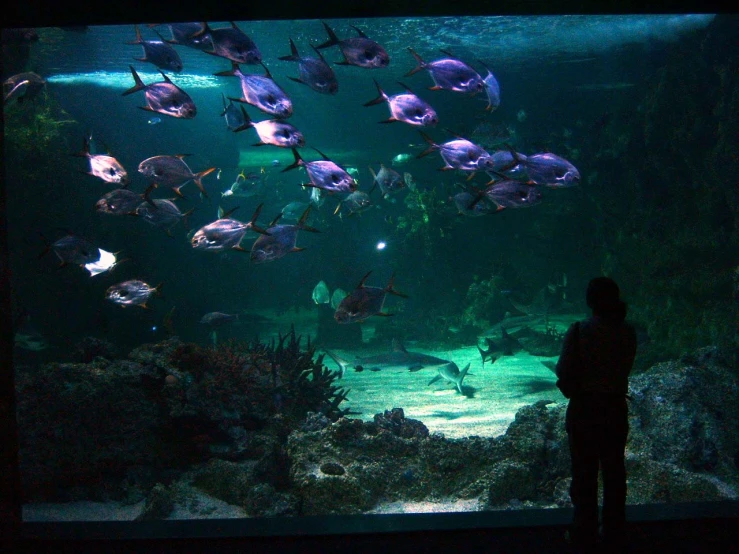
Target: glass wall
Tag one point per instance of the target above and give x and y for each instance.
(286, 268)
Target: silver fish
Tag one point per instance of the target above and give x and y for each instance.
(173, 172)
(261, 91)
(389, 181)
(313, 72)
(164, 97)
(357, 202)
(275, 132)
(119, 202)
(459, 154)
(225, 233)
(449, 74)
(359, 51)
(397, 358)
(401, 159)
(324, 174)
(233, 44)
(492, 89)
(158, 52)
(235, 117)
(131, 293)
(551, 170)
(406, 107)
(103, 167)
(513, 194)
(280, 241)
(161, 213)
(72, 249)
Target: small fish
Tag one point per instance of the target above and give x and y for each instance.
(513, 194)
(321, 293)
(261, 91)
(154, 120)
(364, 302)
(119, 202)
(245, 187)
(389, 181)
(401, 159)
(233, 44)
(22, 87)
(508, 346)
(324, 174)
(225, 233)
(164, 97)
(492, 89)
(161, 213)
(293, 211)
(131, 293)
(235, 117)
(406, 107)
(359, 51)
(280, 241)
(551, 170)
(104, 167)
(357, 202)
(218, 319)
(510, 163)
(460, 154)
(449, 74)
(397, 358)
(173, 172)
(450, 372)
(158, 52)
(276, 163)
(474, 205)
(313, 72)
(337, 297)
(218, 175)
(72, 249)
(275, 132)
(193, 35)
(521, 115)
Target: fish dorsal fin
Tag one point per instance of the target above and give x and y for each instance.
(274, 221)
(166, 79)
(359, 31)
(324, 156)
(407, 88)
(317, 51)
(361, 283)
(454, 134)
(224, 215)
(398, 346)
(182, 156)
(447, 53)
(266, 71)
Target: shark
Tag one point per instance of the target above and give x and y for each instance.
(450, 372)
(397, 358)
(507, 346)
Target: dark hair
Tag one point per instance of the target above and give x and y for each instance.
(603, 298)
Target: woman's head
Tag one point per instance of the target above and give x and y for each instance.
(603, 297)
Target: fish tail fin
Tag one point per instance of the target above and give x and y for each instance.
(483, 355)
(302, 221)
(139, 83)
(147, 195)
(294, 56)
(389, 288)
(198, 176)
(382, 97)
(343, 364)
(247, 121)
(462, 375)
(85, 152)
(138, 39)
(332, 38)
(421, 64)
(432, 145)
(253, 221)
(229, 72)
(298, 161)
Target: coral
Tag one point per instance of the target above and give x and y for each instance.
(485, 302)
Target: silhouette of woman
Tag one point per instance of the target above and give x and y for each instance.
(593, 369)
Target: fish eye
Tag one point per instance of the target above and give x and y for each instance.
(175, 104)
(122, 293)
(368, 55)
(270, 99)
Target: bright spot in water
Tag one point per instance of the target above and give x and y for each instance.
(381, 245)
(154, 328)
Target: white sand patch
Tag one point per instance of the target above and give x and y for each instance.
(426, 507)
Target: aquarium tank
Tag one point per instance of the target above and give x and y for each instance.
(324, 267)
